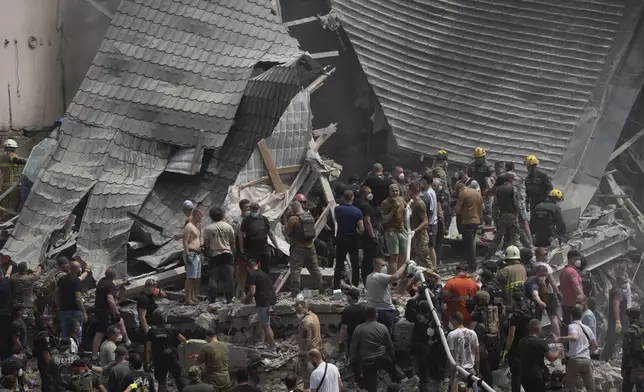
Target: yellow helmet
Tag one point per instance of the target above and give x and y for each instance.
(441, 155)
(531, 160)
(556, 193)
(479, 152)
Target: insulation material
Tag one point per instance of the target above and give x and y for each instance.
(181, 161)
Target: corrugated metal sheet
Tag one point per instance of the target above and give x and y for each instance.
(168, 69)
(267, 96)
(167, 73)
(514, 77)
(288, 142)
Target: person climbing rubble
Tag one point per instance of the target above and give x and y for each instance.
(511, 213)
(308, 337)
(300, 232)
(633, 352)
(546, 221)
(538, 185)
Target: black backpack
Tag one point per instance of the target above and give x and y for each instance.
(258, 229)
(305, 230)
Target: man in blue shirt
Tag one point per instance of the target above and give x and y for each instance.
(350, 226)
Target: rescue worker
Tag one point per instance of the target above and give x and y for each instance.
(508, 201)
(458, 291)
(633, 352)
(443, 191)
(23, 286)
(617, 320)
(546, 221)
(482, 171)
(485, 322)
(537, 184)
(10, 168)
(308, 337)
(512, 277)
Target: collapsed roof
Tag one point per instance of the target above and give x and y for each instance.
(542, 77)
(213, 75)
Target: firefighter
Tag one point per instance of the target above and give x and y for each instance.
(537, 184)
(10, 168)
(513, 275)
(546, 221)
(482, 171)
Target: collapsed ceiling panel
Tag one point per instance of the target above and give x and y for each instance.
(517, 78)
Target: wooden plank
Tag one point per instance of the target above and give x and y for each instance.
(330, 130)
(258, 181)
(281, 280)
(9, 223)
(319, 225)
(278, 185)
(198, 155)
(626, 145)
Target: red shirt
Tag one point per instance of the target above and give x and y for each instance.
(460, 288)
(569, 279)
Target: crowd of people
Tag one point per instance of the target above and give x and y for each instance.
(491, 311)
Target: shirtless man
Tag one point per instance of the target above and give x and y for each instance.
(192, 255)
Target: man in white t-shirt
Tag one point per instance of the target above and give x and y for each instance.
(582, 343)
(463, 343)
(326, 376)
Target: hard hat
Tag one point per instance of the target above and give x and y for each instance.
(10, 143)
(479, 152)
(531, 160)
(300, 197)
(512, 253)
(556, 193)
(441, 155)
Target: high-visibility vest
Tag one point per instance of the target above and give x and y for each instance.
(9, 169)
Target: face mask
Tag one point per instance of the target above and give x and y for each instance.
(383, 269)
(20, 373)
(245, 213)
(542, 279)
(401, 176)
(370, 196)
(578, 263)
(254, 214)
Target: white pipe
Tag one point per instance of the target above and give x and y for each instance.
(413, 269)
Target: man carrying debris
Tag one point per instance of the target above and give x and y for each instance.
(393, 218)
(260, 287)
(633, 352)
(219, 247)
(300, 232)
(254, 233)
(372, 350)
(308, 337)
(546, 221)
(616, 316)
(192, 257)
(214, 357)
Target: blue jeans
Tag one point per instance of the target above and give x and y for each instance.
(627, 386)
(66, 317)
(387, 318)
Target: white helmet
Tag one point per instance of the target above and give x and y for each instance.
(10, 143)
(512, 253)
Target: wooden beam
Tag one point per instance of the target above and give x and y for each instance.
(296, 168)
(8, 223)
(626, 145)
(324, 136)
(254, 182)
(278, 185)
(8, 191)
(136, 285)
(319, 225)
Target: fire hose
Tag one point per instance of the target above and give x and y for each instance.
(418, 272)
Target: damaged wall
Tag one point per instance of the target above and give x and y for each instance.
(30, 72)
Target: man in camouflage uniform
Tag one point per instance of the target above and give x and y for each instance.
(633, 352)
(23, 286)
(419, 223)
(510, 213)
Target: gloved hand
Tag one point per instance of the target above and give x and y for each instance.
(411, 233)
(618, 326)
(88, 268)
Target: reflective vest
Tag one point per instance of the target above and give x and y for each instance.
(10, 170)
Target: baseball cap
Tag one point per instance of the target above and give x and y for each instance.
(188, 205)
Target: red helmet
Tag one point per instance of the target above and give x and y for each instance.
(300, 197)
